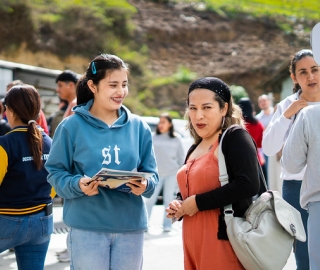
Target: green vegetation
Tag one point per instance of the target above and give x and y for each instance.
(142, 101)
(182, 75)
(81, 28)
(86, 28)
(68, 27)
(98, 5)
(238, 92)
(308, 9)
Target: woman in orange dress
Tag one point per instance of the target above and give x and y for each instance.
(210, 111)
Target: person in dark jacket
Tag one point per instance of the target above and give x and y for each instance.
(4, 126)
(26, 219)
(41, 120)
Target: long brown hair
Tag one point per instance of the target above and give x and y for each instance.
(24, 101)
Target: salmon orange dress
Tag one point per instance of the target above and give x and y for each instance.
(202, 248)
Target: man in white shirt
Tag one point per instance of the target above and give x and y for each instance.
(265, 117)
(266, 112)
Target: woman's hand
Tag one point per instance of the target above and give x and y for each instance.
(189, 207)
(137, 187)
(294, 107)
(172, 209)
(90, 189)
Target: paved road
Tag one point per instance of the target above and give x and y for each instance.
(162, 251)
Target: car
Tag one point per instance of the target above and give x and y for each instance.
(180, 127)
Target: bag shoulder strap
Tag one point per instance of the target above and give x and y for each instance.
(224, 177)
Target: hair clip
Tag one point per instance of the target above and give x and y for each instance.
(93, 68)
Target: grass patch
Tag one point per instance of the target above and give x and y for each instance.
(182, 75)
(98, 4)
(238, 92)
(309, 9)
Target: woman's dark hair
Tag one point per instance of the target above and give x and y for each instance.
(292, 68)
(67, 76)
(171, 129)
(247, 110)
(24, 101)
(97, 70)
(1, 106)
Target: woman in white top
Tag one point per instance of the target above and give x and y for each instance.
(170, 157)
(304, 72)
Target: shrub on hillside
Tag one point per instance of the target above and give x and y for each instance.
(238, 92)
(16, 25)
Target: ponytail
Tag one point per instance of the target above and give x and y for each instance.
(84, 94)
(24, 101)
(296, 88)
(35, 142)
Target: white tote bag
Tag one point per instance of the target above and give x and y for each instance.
(264, 237)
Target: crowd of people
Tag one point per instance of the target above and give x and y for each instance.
(92, 129)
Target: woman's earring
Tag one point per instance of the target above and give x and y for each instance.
(223, 120)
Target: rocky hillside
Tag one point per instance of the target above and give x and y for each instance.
(242, 50)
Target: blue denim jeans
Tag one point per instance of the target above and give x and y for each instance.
(170, 187)
(314, 235)
(98, 250)
(30, 237)
(291, 194)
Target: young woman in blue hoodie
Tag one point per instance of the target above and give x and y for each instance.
(106, 226)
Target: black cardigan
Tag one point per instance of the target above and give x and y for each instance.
(243, 169)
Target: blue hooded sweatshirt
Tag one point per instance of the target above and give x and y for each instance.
(82, 145)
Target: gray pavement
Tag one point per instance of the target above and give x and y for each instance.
(162, 251)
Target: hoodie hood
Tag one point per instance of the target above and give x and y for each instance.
(83, 111)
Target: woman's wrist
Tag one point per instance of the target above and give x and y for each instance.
(287, 115)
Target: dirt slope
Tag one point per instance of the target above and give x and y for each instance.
(242, 51)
